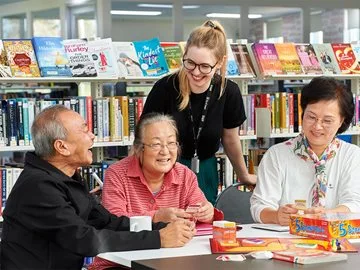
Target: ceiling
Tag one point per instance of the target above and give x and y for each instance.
(206, 8)
(199, 12)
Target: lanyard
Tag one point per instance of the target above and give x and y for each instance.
(202, 119)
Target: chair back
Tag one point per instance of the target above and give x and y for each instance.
(235, 204)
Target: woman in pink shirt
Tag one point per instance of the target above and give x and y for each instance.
(150, 181)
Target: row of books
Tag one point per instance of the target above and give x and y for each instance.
(285, 110)
(297, 59)
(109, 118)
(53, 56)
(10, 172)
(8, 177)
(115, 118)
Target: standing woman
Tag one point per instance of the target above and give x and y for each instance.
(206, 106)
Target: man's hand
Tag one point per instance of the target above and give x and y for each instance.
(177, 233)
(205, 213)
(170, 214)
(284, 212)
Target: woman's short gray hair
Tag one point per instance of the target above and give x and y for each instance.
(148, 119)
(47, 128)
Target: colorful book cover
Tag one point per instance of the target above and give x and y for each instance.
(356, 50)
(127, 60)
(80, 61)
(245, 245)
(151, 57)
(346, 58)
(267, 59)
(308, 256)
(5, 70)
(288, 58)
(51, 56)
(308, 59)
(231, 68)
(242, 59)
(102, 53)
(173, 55)
(21, 56)
(326, 58)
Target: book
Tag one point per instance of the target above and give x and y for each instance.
(288, 58)
(173, 55)
(51, 56)
(231, 66)
(346, 58)
(151, 57)
(5, 70)
(102, 53)
(21, 56)
(267, 59)
(326, 58)
(308, 59)
(80, 61)
(242, 59)
(309, 256)
(249, 244)
(127, 60)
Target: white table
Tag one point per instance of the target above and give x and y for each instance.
(199, 245)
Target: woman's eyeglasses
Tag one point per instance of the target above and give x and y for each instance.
(312, 120)
(158, 146)
(203, 68)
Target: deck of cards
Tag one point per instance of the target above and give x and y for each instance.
(193, 208)
(300, 205)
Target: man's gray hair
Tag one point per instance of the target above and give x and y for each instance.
(47, 128)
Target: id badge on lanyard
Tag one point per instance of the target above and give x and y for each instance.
(195, 164)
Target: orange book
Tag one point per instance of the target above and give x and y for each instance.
(288, 58)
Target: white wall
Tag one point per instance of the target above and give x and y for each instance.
(130, 29)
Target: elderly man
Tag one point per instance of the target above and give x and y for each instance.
(51, 221)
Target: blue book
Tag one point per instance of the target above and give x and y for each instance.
(151, 57)
(51, 56)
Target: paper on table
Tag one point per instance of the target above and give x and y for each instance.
(271, 227)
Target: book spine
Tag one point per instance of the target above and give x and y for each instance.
(277, 113)
(12, 122)
(94, 118)
(26, 121)
(2, 136)
(125, 115)
(89, 113)
(20, 122)
(131, 103)
(113, 121)
(100, 120)
(299, 112)
(283, 257)
(105, 120)
(291, 112)
(3, 187)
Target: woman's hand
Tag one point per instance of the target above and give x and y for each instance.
(170, 214)
(205, 213)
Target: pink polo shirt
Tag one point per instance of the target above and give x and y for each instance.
(126, 191)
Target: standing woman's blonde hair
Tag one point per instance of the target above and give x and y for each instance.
(210, 35)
